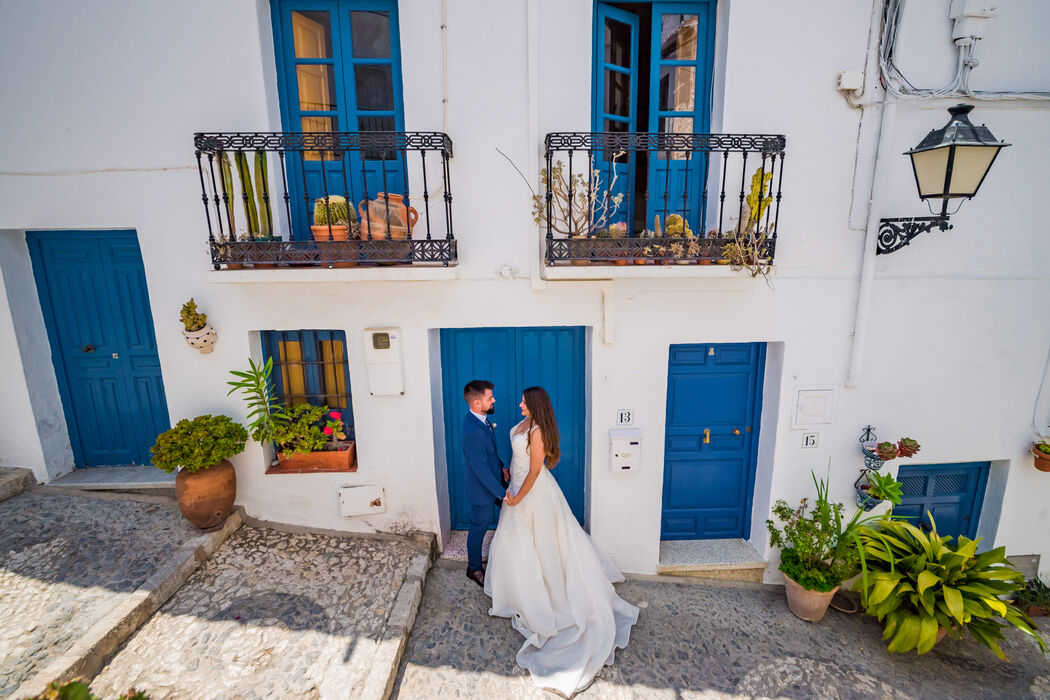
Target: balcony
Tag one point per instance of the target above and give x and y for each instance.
(326, 200)
(619, 198)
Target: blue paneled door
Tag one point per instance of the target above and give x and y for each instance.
(711, 440)
(93, 295)
(514, 359)
(953, 493)
(339, 69)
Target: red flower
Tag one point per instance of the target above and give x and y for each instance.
(336, 414)
(327, 430)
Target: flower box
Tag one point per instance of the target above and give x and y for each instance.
(343, 458)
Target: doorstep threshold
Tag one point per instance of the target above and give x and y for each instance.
(116, 478)
(733, 559)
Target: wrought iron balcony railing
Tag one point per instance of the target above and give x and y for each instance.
(621, 197)
(264, 195)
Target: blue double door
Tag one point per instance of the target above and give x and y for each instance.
(92, 291)
(952, 493)
(514, 359)
(711, 440)
(652, 72)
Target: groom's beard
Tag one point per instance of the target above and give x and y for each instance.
(491, 411)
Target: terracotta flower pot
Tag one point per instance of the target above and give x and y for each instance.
(206, 497)
(1041, 459)
(620, 261)
(337, 460)
(339, 233)
(806, 604)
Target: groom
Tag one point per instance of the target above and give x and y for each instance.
(483, 473)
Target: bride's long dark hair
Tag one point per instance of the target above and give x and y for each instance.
(541, 413)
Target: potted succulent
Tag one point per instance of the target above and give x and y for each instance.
(1041, 455)
(878, 453)
(198, 334)
(873, 488)
(199, 449)
(819, 551)
(923, 586)
(618, 231)
(1034, 598)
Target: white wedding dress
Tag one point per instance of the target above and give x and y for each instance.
(555, 585)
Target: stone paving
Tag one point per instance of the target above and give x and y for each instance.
(707, 640)
(270, 615)
(65, 562)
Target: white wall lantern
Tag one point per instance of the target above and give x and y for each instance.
(950, 163)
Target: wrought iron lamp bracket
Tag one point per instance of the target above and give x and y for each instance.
(894, 234)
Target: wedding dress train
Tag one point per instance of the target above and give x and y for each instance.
(555, 585)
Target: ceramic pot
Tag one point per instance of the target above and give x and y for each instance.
(806, 604)
(339, 233)
(871, 460)
(386, 216)
(1041, 460)
(206, 497)
(341, 459)
(202, 339)
(620, 261)
(865, 500)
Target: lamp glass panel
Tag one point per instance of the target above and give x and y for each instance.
(971, 164)
(929, 171)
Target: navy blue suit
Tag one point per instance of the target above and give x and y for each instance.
(484, 482)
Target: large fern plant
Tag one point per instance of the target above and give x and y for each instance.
(266, 413)
(917, 583)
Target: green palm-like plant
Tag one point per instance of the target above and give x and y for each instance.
(917, 583)
(265, 412)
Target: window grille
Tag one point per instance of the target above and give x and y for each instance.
(310, 366)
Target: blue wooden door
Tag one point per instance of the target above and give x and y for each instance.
(953, 493)
(682, 50)
(711, 439)
(514, 359)
(93, 295)
(615, 102)
(339, 69)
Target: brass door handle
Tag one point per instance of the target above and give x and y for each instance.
(736, 431)
(707, 436)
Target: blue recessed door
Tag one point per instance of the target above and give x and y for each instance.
(339, 69)
(93, 296)
(711, 440)
(952, 493)
(514, 359)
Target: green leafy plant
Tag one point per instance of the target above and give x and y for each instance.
(1034, 594)
(79, 690)
(191, 319)
(819, 547)
(1043, 446)
(917, 583)
(302, 432)
(199, 443)
(265, 411)
(885, 487)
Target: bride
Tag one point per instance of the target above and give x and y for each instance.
(544, 572)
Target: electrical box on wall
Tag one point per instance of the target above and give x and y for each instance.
(383, 360)
(625, 449)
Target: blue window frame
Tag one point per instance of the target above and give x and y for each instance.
(653, 65)
(339, 69)
(309, 366)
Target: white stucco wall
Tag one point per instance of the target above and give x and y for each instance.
(954, 356)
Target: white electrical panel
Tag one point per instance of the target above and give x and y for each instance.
(383, 360)
(625, 449)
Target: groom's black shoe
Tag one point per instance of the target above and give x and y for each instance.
(477, 577)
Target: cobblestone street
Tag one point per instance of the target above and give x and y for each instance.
(707, 640)
(65, 562)
(271, 615)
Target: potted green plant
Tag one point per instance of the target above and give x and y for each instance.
(873, 488)
(1034, 598)
(333, 222)
(923, 586)
(198, 334)
(618, 231)
(877, 454)
(818, 551)
(1041, 455)
(313, 440)
(199, 449)
(265, 411)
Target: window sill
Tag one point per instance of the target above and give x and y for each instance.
(292, 470)
(324, 462)
(610, 272)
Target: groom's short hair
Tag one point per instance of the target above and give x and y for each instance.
(476, 389)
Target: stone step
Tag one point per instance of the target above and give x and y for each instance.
(116, 479)
(14, 480)
(732, 560)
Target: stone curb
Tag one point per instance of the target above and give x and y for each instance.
(89, 654)
(391, 645)
(15, 483)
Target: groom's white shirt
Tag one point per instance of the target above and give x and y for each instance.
(480, 417)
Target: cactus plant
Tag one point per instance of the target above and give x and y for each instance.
(335, 212)
(191, 319)
(251, 213)
(261, 180)
(676, 227)
(227, 191)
